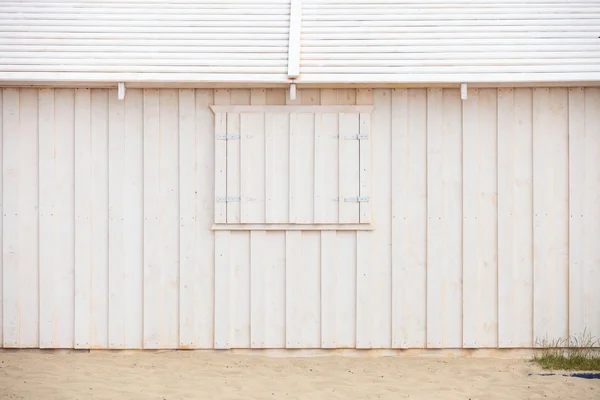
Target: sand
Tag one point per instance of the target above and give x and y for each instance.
(211, 375)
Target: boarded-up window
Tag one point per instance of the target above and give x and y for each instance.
(292, 164)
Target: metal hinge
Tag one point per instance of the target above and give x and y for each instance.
(357, 137)
(359, 199)
(231, 136)
(227, 199)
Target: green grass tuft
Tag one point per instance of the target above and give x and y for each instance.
(575, 353)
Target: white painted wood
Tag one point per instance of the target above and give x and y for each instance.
(515, 218)
(349, 167)
(294, 39)
(258, 286)
(169, 216)
(293, 299)
(293, 227)
(303, 305)
(480, 225)
(56, 218)
(306, 102)
(252, 171)
(10, 223)
(365, 167)
(444, 209)
(152, 257)
(374, 325)
(277, 167)
(409, 217)
(2, 214)
(293, 170)
(302, 156)
(233, 167)
(583, 224)
(116, 216)
(550, 206)
(46, 209)
(222, 291)
(83, 217)
(239, 294)
(187, 218)
(204, 272)
(133, 223)
(327, 161)
(221, 96)
(99, 219)
(196, 141)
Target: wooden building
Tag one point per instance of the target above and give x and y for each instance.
(299, 174)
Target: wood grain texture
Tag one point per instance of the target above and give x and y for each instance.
(515, 218)
(409, 217)
(551, 211)
(480, 219)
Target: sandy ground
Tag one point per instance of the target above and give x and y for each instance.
(210, 375)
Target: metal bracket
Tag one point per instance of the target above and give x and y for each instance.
(357, 137)
(359, 199)
(231, 136)
(227, 199)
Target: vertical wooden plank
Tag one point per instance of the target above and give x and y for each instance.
(409, 217)
(116, 214)
(258, 289)
(152, 260)
(221, 338)
(338, 289)
(46, 208)
(133, 220)
(349, 167)
(293, 286)
(83, 217)
(252, 162)
(275, 295)
(577, 180)
(550, 205)
(444, 187)
(221, 97)
(277, 167)
(169, 216)
(239, 306)
(329, 289)
(327, 162)
(515, 218)
(480, 255)
(187, 218)
(591, 294)
(3, 216)
(99, 219)
(197, 243)
(584, 227)
(28, 199)
(365, 167)
(95, 204)
(238, 97)
(302, 156)
(57, 218)
(204, 268)
(374, 274)
(222, 290)
(275, 97)
(303, 305)
(11, 249)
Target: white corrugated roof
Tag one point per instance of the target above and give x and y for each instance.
(341, 41)
(450, 41)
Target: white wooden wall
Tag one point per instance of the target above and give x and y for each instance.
(486, 215)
